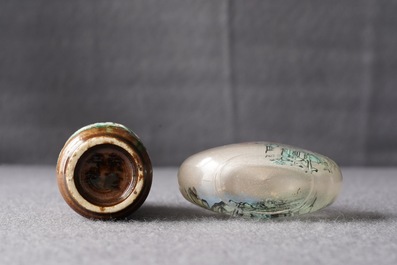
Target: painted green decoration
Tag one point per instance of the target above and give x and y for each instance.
(296, 157)
(253, 210)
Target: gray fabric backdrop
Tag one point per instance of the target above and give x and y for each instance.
(192, 74)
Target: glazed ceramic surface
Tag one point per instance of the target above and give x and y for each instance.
(104, 171)
(259, 180)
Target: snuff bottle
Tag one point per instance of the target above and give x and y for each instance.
(260, 180)
(104, 171)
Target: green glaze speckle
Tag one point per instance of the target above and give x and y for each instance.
(108, 126)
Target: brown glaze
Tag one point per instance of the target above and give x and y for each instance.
(104, 171)
(105, 175)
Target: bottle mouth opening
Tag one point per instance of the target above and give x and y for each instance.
(105, 175)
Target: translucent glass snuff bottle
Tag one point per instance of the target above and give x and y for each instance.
(260, 180)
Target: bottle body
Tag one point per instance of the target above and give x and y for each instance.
(104, 171)
(260, 180)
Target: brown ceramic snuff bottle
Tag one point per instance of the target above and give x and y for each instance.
(104, 171)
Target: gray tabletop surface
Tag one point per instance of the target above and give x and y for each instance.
(37, 227)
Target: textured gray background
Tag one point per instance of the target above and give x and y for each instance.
(360, 228)
(191, 74)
